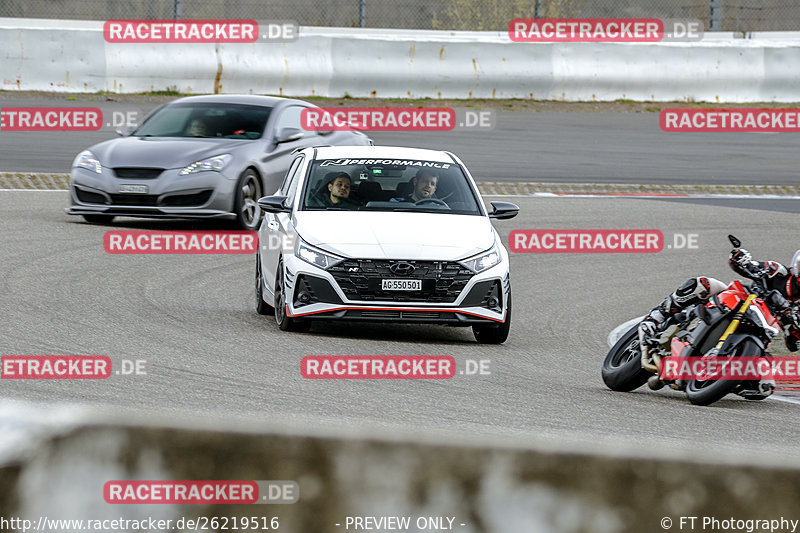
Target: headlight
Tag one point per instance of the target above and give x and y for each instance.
(87, 160)
(484, 260)
(214, 164)
(315, 256)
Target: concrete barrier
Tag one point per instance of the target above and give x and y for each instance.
(71, 56)
(57, 466)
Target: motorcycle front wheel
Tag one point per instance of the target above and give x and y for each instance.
(709, 391)
(622, 368)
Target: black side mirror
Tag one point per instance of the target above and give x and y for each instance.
(503, 210)
(274, 204)
(287, 135)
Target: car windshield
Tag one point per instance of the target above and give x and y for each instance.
(389, 185)
(229, 121)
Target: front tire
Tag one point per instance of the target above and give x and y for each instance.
(622, 368)
(248, 191)
(262, 307)
(709, 391)
(494, 334)
(285, 322)
(98, 219)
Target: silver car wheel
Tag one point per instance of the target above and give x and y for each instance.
(251, 192)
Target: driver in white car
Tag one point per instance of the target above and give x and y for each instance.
(424, 186)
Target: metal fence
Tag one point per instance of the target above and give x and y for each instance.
(724, 15)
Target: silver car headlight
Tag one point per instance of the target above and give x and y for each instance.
(482, 261)
(315, 256)
(213, 164)
(87, 160)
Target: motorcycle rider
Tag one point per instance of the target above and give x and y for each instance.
(784, 279)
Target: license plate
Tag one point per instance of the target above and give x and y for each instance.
(401, 284)
(133, 189)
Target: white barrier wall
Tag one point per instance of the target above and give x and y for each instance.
(71, 56)
(55, 464)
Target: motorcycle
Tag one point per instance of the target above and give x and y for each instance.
(740, 321)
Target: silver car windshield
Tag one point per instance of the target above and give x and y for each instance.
(229, 121)
(389, 185)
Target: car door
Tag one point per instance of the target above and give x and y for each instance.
(277, 229)
(280, 143)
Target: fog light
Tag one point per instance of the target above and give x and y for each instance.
(493, 302)
(304, 297)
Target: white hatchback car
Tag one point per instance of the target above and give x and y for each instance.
(383, 234)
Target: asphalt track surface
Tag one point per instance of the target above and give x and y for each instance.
(191, 318)
(576, 147)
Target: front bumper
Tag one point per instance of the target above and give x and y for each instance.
(315, 294)
(170, 195)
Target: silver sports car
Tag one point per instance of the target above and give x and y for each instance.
(197, 157)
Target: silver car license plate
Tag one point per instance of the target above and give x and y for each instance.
(133, 189)
(401, 284)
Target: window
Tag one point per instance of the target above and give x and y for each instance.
(292, 180)
(290, 118)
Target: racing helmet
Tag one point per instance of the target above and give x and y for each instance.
(796, 264)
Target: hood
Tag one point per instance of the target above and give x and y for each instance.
(160, 152)
(418, 236)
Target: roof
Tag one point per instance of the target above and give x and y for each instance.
(251, 99)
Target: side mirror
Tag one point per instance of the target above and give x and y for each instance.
(287, 135)
(274, 204)
(126, 131)
(503, 210)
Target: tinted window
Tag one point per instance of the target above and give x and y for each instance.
(230, 121)
(393, 185)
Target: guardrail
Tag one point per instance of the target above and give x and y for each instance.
(72, 56)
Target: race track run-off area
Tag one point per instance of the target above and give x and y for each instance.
(190, 318)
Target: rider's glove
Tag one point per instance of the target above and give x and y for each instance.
(648, 328)
(741, 257)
